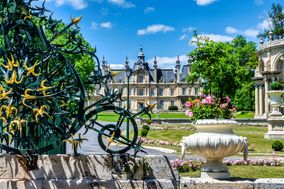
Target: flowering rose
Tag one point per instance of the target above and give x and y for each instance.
(209, 107)
(188, 113)
(188, 104)
(228, 100)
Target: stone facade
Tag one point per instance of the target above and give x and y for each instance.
(269, 69)
(165, 87)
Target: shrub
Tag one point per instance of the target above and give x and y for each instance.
(209, 107)
(277, 145)
(173, 108)
(276, 85)
(146, 127)
(143, 133)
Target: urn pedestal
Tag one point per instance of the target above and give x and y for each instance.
(275, 117)
(275, 98)
(214, 140)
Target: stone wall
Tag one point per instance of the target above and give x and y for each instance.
(106, 172)
(87, 171)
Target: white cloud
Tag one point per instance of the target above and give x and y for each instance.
(107, 25)
(122, 3)
(94, 25)
(152, 29)
(231, 30)
(117, 66)
(188, 29)
(168, 62)
(251, 33)
(215, 37)
(248, 32)
(204, 2)
(183, 37)
(149, 10)
(264, 25)
(76, 4)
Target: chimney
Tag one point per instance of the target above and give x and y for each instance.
(189, 64)
(178, 69)
(155, 70)
(104, 66)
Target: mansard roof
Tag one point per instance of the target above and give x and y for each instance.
(184, 73)
(163, 75)
(120, 77)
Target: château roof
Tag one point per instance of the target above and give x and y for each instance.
(164, 75)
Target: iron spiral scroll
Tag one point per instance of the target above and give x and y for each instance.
(42, 97)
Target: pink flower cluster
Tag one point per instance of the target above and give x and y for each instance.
(185, 166)
(209, 107)
(159, 142)
(264, 162)
(208, 100)
(189, 113)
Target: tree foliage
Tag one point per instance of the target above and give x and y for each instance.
(276, 23)
(83, 63)
(225, 68)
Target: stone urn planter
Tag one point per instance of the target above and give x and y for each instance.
(214, 140)
(275, 98)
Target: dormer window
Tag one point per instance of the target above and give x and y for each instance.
(140, 79)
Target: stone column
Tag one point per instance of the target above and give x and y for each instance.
(256, 101)
(261, 100)
(266, 98)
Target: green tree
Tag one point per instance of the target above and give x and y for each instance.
(226, 68)
(83, 63)
(276, 19)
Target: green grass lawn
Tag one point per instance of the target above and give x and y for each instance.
(244, 114)
(112, 117)
(255, 136)
(169, 115)
(249, 171)
(108, 116)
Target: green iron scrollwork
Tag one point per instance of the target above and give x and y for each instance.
(42, 97)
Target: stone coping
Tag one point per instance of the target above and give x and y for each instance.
(185, 183)
(233, 183)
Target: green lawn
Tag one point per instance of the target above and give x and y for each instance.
(112, 117)
(108, 116)
(244, 114)
(255, 136)
(249, 171)
(169, 115)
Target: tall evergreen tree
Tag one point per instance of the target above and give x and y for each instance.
(276, 23)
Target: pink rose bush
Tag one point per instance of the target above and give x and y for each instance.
(158, 142)
(187, 166)
(209, 107)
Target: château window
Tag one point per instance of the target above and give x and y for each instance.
(161, 92)
(172, 92)
(140, 92)
(196, 91)
(140, 105)
(152, 92)
(184, 91)
(161, 104)
(172, 103)
(140, 79)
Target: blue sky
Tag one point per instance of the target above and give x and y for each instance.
(163, 27)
